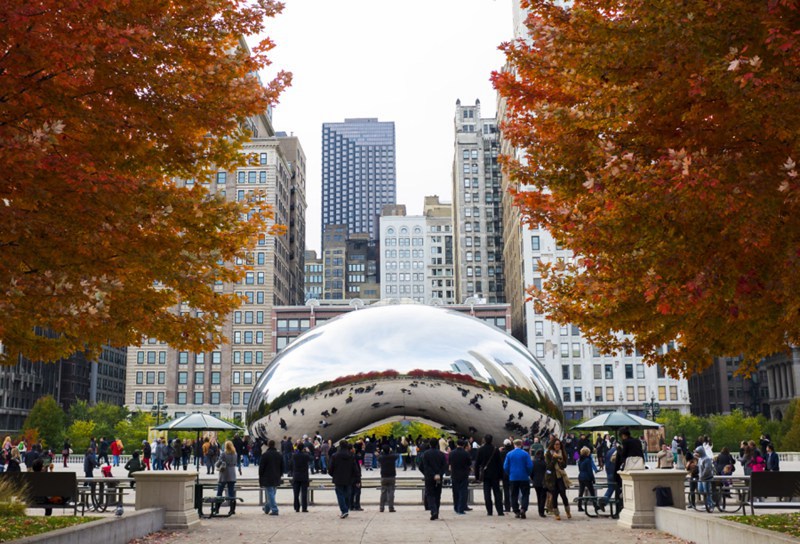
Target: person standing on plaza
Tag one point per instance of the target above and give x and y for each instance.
(518, 466)
(507, 447)
(65, 450)
(555, 478)
(586, 471)
(772, 460)
(270, 473)
(238, 444)
(343, 469)
(103, 455)
(226, 465)
(460, 465)
(489, 470)
(116, 451)
(664, 458)
(537, 478)
(433, 466)
(388, 462)
(630, 455)
(299, 467)
(146, 454)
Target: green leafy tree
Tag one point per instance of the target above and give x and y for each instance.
(81, 433)
(106, 416)
(133, 430)
(48, 418)
(730, 429)
(791, 439)
(688, 425)
(78, 412)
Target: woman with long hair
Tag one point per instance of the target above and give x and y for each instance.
(555, 479)
(227, 474)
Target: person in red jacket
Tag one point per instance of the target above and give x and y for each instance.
(116, 450)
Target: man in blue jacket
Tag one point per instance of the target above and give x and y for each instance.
(518, 466)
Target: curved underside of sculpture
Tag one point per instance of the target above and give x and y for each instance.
(404, 361)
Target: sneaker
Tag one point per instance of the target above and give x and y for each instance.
(522, 515)
(273, 513)
(392, 510)
(344, 515)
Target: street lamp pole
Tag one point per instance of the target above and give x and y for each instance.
(158, 409)
(652, 407)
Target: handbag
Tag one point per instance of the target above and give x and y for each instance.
(663, 496)
(221, 464)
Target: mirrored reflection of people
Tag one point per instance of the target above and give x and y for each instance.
(433, 466)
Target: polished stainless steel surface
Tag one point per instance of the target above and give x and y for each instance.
(404, 361)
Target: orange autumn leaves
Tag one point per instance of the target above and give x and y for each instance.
(102, 105)
(659, 144)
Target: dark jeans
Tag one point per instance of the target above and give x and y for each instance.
(300, 490)
(587, 487)
(343, 493)
(506, 494)
(541, 499)
(520, 495)
(460, 495)
(492, 486)
(355, 497)
(433, 495)
(387, 492)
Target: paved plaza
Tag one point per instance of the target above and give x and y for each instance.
(408, 525)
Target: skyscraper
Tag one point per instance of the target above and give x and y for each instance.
(358, 174)
(477, 215)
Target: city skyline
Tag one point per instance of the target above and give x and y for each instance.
(413, 82)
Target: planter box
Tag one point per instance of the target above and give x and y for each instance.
(135, 524)
(703, 527)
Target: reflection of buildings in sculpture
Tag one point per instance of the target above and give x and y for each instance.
(465, 367)
(427, 363)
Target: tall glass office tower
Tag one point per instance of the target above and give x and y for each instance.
(358, 174)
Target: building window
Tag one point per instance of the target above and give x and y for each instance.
(610, 394)
(640, 372)
(183, 357)
(215, 378)
(565, 350)
(565, 372)
(609, 375)
(139, 377)
(540, 350)
(535, 243)
(183, 378)
(216, 357)
(629, 393)
(138, 397)
(576, 350)
(236, 398)
(642, 392)
(662, 392)
(673, 392)
(199, 378)
(566, 394)
(629, 373)
(150, 378)
(538, 328)
(149, 398)
(181, 397)
(598, 372)
(578, 394)
(215, 397)
(198, 397)
(576, 373)
(162, 378)
(598, 394)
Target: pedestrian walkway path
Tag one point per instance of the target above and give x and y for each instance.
(410, 525)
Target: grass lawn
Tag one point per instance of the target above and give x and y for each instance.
(12, 528)
(782, 523)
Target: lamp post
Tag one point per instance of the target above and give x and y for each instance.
(158, 409)
(652, 407)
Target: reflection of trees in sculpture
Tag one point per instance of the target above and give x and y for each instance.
(522, 395)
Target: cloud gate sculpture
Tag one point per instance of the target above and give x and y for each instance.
(407, 361)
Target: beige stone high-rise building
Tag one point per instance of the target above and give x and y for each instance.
(220, 381)
(477, 215)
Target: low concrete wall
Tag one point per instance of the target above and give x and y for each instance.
(133, 524)
(707, 528)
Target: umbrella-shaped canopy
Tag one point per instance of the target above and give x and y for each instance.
(198, 422)
(616, 420)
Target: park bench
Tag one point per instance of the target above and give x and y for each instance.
(216, 503)
(774, 484)
(47, 489)
(597, 506)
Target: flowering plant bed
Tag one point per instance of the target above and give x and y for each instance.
(782, 523)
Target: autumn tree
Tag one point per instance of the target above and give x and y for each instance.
(103, 105)
(659, 142)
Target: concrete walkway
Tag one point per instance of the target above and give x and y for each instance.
(407, 525)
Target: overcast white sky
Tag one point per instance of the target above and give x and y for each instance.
(403, 61)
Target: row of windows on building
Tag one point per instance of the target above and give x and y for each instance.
(607, 394)
(198, 398)
(246, 357)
